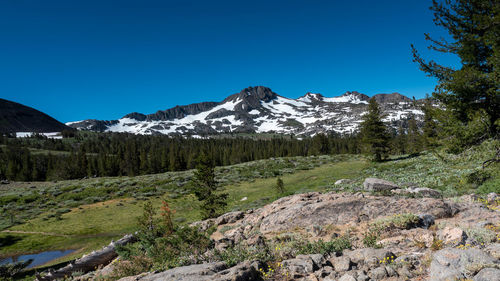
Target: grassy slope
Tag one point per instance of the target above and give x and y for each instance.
(90, 226)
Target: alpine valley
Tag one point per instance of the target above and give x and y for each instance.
(260, 110)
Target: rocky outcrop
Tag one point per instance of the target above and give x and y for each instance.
(411, 251)
(418, 192)
(337, 209)
(458, 264)
(246, 271)
(374, 184)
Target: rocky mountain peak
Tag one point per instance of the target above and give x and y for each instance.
(258, 109)
(257, 93)
(356, 96)
(391, 98)
(311, 97)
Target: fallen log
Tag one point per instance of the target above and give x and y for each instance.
(88, 262)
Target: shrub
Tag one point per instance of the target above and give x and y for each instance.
(478, 177)
(320, 247)
(370, 239)
(280, 186)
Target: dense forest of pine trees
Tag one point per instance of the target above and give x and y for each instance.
(84, 154)
(115, 154)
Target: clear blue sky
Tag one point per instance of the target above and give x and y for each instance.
(80, 59)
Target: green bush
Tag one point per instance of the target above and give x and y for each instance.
(320, 247)
(478, 177)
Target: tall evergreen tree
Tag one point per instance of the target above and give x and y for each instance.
(207, 189)
(374, 132)
(414, 136)
(430, 128)
(471, 93)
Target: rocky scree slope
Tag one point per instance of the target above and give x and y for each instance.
(391, 237)
(260, 110)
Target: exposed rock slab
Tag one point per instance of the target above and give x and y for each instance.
(374, 184)
(302, 210)
(453, 263)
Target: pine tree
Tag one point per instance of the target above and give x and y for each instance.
(414, 136)
(401, 140)
(374, 132)
(471, 93)
(280, 186)
(430, 128)
(206, 189)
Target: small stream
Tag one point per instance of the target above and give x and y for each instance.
(38, 259)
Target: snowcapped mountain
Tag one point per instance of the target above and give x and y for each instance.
(260, 110)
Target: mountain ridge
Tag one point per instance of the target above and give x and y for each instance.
(257, 109)
(16, 117)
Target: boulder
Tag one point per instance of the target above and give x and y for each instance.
(453, 263)
(374, 184)
(424, 192)
(492, 197)
(230, 217)
(488, 274)
(299, 267)
(452, 236)
(203, 225)
(493, 250)
(337, 209)
(341, 264)
(195, 272)
(245, 271)
(378, 273)
(318, 260)
(343, 181)
(347, 277)
(369, 256)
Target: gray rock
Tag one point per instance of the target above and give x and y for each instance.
(412, 260)
(452, 263)
(452, 236)
(195, 272)
(492, 197)
(488, 274)
(378, 273)
(404, 272)
(424, 192)
(368, 256)
(493, 250)
(203, 225)
(245, 271)
(324, 272)
(299, 266)
(338, 208)
(318, 260)
(341, 264)
(362, 276)
(230, 217)
(347, 277)
(374, 184)
(343, 181)
(390, 271)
